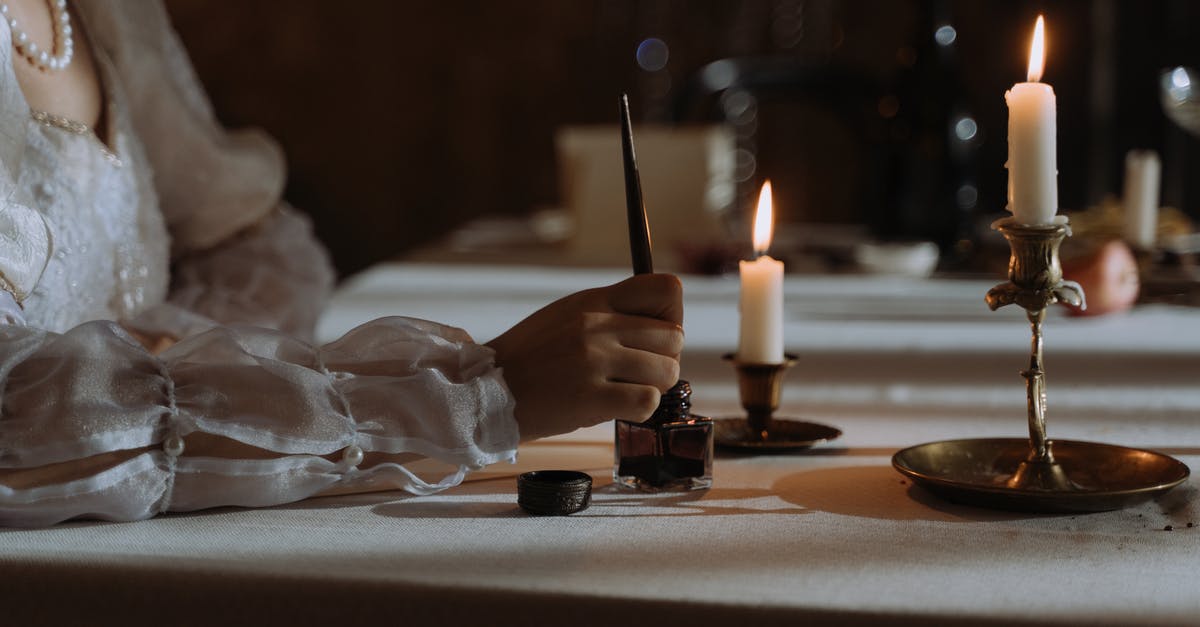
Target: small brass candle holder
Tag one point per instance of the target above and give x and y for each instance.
(1038, 474)
(759, 386)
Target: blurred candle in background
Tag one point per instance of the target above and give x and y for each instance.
(1032, 164)
(1142, 175)
(760, 338)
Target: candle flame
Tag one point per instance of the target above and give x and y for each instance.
(763, 221)
(1037, 51)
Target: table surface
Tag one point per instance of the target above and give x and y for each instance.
(833, 535)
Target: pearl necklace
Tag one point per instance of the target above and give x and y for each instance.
(63, 43)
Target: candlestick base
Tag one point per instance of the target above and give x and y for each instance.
(1085, 476)
(759, 390)
(785, 434)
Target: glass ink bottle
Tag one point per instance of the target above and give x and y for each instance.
(671, 451)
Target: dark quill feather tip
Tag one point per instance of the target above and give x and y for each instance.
(639, 230)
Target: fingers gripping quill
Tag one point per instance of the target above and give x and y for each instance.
(594, 355)
(652, 295)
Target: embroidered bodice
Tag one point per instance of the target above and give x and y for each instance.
(108, 247)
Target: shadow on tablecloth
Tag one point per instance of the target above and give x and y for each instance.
(878, 492)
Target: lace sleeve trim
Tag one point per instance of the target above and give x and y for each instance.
(25, 247)
(11, 289)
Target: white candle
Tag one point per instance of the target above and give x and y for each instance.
(1032, 164)
(1142, 175)
(760, 338)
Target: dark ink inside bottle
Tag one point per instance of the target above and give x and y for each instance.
(672, 450)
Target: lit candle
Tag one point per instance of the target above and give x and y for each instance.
(760, 338)
(1032, 165)
(1142, 177)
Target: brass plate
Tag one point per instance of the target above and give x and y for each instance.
(784, 435)
(974, 472)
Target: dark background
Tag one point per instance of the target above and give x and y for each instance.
(402, 120)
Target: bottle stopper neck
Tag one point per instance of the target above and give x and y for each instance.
(676, 404)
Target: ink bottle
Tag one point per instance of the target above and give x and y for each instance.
(671, 451)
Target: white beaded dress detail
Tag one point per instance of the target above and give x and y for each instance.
(107, 204)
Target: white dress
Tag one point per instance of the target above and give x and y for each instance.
(173, 225)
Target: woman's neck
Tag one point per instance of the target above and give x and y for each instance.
(73, 92)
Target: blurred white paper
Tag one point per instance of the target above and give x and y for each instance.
(687, 184)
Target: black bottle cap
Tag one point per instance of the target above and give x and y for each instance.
(673, 406)
(554, 492)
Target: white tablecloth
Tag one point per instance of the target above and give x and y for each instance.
(834, 536)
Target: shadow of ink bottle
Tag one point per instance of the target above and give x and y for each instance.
(671, 451)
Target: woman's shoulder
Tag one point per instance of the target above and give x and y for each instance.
(117, 23)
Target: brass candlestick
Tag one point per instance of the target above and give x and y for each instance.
(1035, 282)
(1038, 474)
(759, 388)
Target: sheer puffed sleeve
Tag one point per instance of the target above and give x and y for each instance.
(240, 255)
(394, 385)
(211, 182)
(273, 275)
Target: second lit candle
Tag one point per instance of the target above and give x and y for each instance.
(760, 338)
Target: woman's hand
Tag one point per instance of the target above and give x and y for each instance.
(155, 344)
(595, 355)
